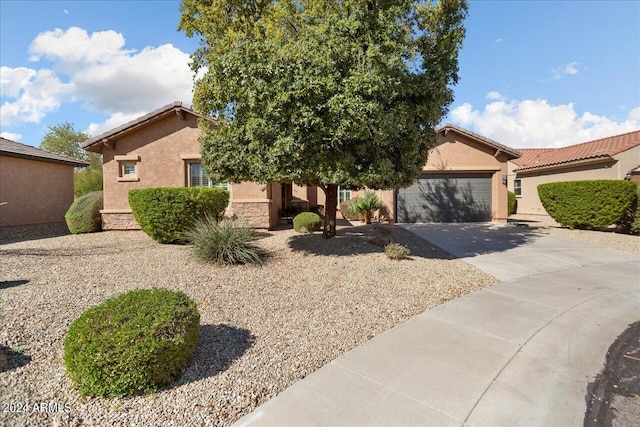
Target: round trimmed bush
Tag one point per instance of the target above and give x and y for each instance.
(132, 344)
(84, 214)
(166, 213)
(307, 222)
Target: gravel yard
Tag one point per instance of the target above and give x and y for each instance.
(608, 239)
(262, 327)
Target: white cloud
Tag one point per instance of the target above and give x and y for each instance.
(537, 124)
(494, 95)
(563, 70)
(98, 70)
(12, 136)
(115, 120)
(35, 93)
(66, 12)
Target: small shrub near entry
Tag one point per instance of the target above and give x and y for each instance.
(396, 251)
(307, 222)
(513, 202)
(224, 242)
(366, 205)
(84, 214)
(589, 205)
(165, 213)
(132, 344)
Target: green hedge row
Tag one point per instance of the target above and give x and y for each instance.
(166, 213)
(588, 205)
(84, 214)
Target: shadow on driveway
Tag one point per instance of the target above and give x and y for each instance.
(472, 239)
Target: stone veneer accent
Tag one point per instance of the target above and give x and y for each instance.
(255, 213)
(119, 221)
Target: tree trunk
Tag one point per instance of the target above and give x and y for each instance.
(331, 196)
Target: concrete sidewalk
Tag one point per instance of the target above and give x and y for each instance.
(518, 353)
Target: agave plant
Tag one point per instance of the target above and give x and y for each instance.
(366, 205)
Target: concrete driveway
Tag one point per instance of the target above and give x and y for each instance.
(520, 353)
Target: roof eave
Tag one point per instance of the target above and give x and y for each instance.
(510, 152)
(567, 164)
(77, 164)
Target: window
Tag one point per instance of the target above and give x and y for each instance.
(127, 167)
(344, 194)
(198, 178)
(517, 187)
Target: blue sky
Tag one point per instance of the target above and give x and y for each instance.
(532, 73)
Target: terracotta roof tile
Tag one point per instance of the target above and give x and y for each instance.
(533, 158)
(17, 149)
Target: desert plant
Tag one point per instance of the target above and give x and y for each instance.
(589, 205)
(366, 205)
(512, 203)
(133, 343)
(165, 213)
(346, 209)
(224, 242)
(84, 214)
(307, 222)
(396, 251)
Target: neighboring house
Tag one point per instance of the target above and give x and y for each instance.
(464, 179)
(615, 157)
(36, 187)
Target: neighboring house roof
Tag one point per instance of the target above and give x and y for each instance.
(95, 144)
(604, 148)
(513, 153)
(16, 149)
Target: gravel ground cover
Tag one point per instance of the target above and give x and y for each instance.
(262, 327)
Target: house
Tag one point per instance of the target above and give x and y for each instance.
(464, 179)
(36, 187)
(614, 157)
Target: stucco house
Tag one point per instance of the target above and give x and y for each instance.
(615, 157)
(463, 180)
(36, 187)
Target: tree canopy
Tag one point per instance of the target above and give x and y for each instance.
(64, 139)
(323, 92)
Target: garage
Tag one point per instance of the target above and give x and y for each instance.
(446, 197)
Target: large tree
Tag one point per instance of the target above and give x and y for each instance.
(323, 92)
(65, 139)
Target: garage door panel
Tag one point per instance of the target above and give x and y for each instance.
(446, 198)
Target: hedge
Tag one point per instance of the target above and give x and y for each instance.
(513, 203)
(84, 214)
(588, 205)
(165, 213)
(132, 344)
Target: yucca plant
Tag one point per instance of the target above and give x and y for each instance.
(366, 205)
(224, 243)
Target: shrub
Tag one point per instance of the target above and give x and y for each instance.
(366, 205)
(589, 205)
(165, 213)
(307, 222)
(132, 344)
(513, 203)
(346, 209)
(396, 251)
(630, 221)
(84, 214)
(224, 242)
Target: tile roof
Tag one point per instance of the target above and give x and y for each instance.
(16, 149)
(511, 151)
(604, 148)
(140, 121)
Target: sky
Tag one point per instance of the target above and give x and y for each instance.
(532, 74)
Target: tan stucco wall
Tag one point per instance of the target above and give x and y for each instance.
(36, 192)
(529, 205)
(163, 150)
